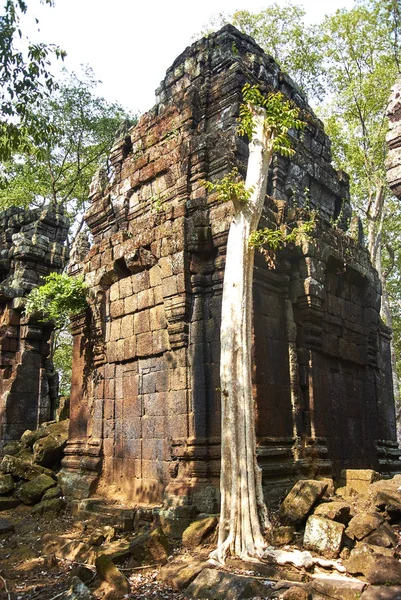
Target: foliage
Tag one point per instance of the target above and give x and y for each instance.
(25, 80)
(280, 116)
(59, 168)
(229, 187)
(62, 359)
(276, 239)
(281, 31)
(57, 298)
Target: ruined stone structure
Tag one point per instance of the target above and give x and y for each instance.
(145, 404)
(394, 140)
(32, 245)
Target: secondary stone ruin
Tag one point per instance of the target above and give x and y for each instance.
(394, 140)
(32, 245)
(145, 402)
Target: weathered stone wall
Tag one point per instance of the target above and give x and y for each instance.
(31, 247)
(145, 404)
(394, 140)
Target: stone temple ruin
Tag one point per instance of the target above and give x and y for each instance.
(32, 245)
(145, 402)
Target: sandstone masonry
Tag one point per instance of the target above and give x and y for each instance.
(32, 245)
(145, 403)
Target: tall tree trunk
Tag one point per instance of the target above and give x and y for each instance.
(243, 513)
(375, 229)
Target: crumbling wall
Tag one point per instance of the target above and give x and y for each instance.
(393, 162)
(145, 404)
(31, 247)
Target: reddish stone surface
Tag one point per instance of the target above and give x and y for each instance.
(145, 406)
(31, 246)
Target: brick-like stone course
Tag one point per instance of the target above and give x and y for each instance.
(32, 245)
(146, 356)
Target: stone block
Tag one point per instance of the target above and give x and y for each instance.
(144, 344)
(323, 536)
(7, 484)
(160, 341)
(336, 586)
(32, 491)
(140, 282)
(337, 511)
(115, 330)
(219, 585)
(108, 571)
(125, 287)
(363, 524)
(145, 299)
(358, 479)
(117, 309)
(155, 276)
(384, 571)
(300, 500)
(198, 531)
(129, 348)
(157, 318)
(169, 286)
(127, 326)
(142, 324)
(130, 304)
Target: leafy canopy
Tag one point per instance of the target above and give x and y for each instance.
(25, 80)
(57, 298)
(280, 115)
(280, 29)
(59, 168)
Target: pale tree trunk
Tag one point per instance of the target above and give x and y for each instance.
(375, 229)
(243, 514)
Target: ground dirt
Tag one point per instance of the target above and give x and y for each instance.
(27, 574)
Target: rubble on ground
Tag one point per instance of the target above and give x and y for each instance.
(342, 544)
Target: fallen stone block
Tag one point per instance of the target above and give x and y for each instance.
(281, 536)
(337, 587)
(389, 502)
(48, 451)
(174, 521)
(384, 571)
(52, 493)
(8, 502)
(382, 536)
(374, 592)
(362, 525)
(360, 560)
(198, 531)
(7, 484)
(358, 480)
(323, 536)
(336, 511)
(295, 592)
(54, 505)
(32, 491)
(269, 570)
(29, 437)
(218, 585)
(108, 571)
(150, 547)
(180, 576)
(299, 502)
(67, 548)
(22, 469)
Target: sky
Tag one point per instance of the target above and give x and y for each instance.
(131, 43)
